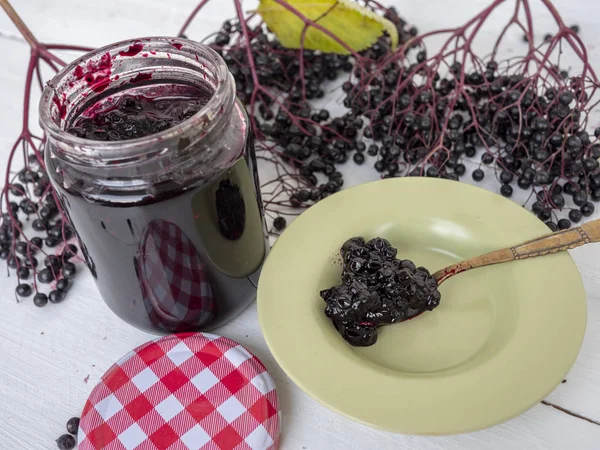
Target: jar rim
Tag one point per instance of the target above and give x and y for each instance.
(124, 149)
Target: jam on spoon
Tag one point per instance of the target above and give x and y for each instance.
(377, 289)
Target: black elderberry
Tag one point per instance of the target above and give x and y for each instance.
(379, 166)
(470, 151)
(580, 198)
(73, 425)
(524, 183)
(432, 172)
(359, 158)
(478, 175)
(575, 28)
(279, 223)
(506, 177)
(545, 214)
(45, 276)
(564, 224)
(21, 248)
(24, 290)
(23, 273)
(597, 132)
(573, 143)
(51, 241)
(360, 146)
(13, 262)
(17, 190)
(541, 177)
(506, 190)
(575, 215)
(558, 201)
(596, 195)
(552, 226)
(590, 164)
(66, 441)
(39, 225)
(373, 150)
(587, 209)
(37, 243)
(56, 296)
(40, 300)
(487, 158)
(62, 285)
(303, 195)
(460, 169)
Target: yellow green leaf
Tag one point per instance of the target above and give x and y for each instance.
(353, 24)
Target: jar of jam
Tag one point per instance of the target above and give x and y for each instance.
(152, 157)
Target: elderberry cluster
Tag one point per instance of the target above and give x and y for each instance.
(32, 201)
(311, 139)
(533, 136)
(377, 289)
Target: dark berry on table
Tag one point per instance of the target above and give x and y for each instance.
(360, 146)
(487, 158)
(17, 190)
(53, 261)
(24, 290)
(587, 209)
(62, 285)
(359, 158)
(506, 177)
(73, 425)
(45, 276)
(470, 151)
(558, 200)
(4, 253)
(575, 28)
(66, 442)
(23, 273)
(460, 169)
(379, 166)
(279, 223)
(37, 242)
(545, 214)
(575, 215)
(580, 198)
(373, 150)
(506, 190)
(39, 225)
(51, 241)
(40, 300)
(13, 262)
(56, 296)
(524, 183)
(564, 224)
(478, 175)
(552, 226)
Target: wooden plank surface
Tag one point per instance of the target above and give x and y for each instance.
(51, 358)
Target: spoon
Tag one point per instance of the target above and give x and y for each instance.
(544, 245)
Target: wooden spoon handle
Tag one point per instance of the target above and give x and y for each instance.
(544, 245)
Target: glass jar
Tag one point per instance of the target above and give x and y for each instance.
(170, 225)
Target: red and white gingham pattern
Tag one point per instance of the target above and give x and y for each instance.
(183, 392)
(175, 284)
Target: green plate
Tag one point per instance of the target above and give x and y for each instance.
(502, 338)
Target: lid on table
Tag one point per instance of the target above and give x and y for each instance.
(183, 391)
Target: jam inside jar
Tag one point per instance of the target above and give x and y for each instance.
(152, 157)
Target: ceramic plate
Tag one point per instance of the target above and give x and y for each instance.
(502, 338)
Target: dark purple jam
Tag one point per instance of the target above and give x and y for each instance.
(377, 289)
(128, 116)
(183, 255)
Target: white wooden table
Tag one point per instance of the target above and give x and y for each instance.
(51, 358)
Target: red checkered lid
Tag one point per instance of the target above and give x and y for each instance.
(186, 391)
